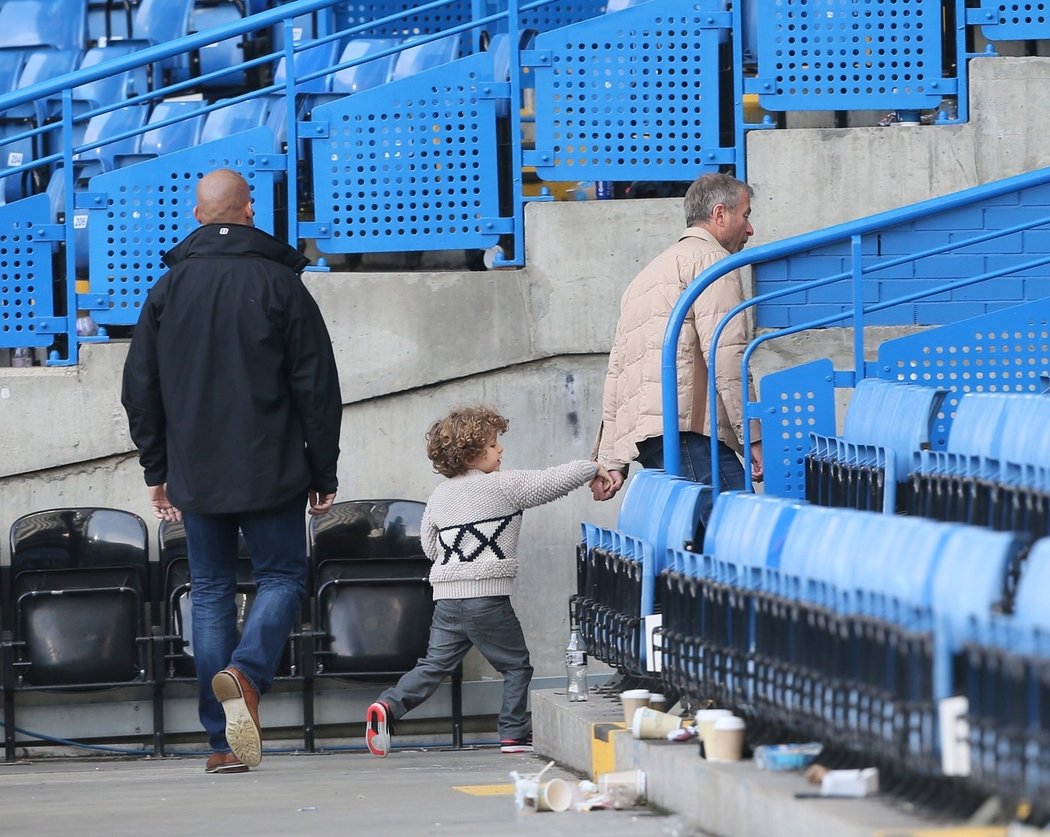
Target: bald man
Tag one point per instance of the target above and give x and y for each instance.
(232, 398)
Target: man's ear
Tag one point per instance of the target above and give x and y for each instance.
(718, 213)
(197, 215)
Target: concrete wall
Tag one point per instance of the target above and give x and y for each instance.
(532, 341)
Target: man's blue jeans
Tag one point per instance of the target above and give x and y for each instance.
(695, 454)
(277, 542)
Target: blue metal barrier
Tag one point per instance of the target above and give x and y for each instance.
(851, 57)
(27, 237)
(136, 214)
(410, 162)
(858, 310)
(1010, 21)
(631, 96)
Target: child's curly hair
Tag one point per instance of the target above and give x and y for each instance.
(461, 437)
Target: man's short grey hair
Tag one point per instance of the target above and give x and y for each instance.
(708, 191)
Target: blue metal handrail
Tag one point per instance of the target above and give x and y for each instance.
(851, 230)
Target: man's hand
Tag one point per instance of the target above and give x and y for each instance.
(320, 503)
(606, 483)
(162, 507)
(757, 472)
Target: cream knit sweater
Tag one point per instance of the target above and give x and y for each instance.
(471, 525)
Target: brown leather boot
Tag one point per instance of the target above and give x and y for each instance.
(224, 763)
(240, 702)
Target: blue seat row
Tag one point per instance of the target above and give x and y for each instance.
(886, 423)
(837, 624)
(996, 469)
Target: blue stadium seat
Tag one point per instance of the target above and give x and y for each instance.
(107, 21)
(158, 21)
(39, 66)
(424, 56)
(116, 87)
(55, 24)
(94, 161)
(306, 27)
(310, 60)
(105, 126)
(11, 63)
(164, 138)
(368, 74)
(232, 119)
(221, 55)
(363, 76)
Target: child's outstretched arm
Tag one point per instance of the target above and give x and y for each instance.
(534, 488)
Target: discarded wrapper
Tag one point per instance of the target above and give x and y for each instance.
(864, 782)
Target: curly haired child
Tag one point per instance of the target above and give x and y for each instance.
(470, 532)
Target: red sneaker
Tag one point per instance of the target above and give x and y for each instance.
(377, 729)
(516, 745)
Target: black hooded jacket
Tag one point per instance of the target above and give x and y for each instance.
(230, 384)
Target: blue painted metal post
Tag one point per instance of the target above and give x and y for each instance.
(857, 269)
(292, 155)
(69, 199)
(517, 190)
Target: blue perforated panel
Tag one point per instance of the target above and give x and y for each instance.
(148, 209)
(410, 165)
(794, 403)
(1006, 351)
(1013, 21)
(834, 55)
(630, 96)
(25, 272)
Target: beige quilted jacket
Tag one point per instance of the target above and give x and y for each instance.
(631, 405)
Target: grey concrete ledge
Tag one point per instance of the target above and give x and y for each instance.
(730, 800)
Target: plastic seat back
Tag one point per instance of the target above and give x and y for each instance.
(116, 87)
(426, 55)
(232, 119)
(368, 74)
(55, 24)
(372, 598)
(79, 588)
(177, 135)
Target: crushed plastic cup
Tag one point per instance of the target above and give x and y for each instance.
(782, 757)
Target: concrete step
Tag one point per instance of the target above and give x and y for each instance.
(732, 799)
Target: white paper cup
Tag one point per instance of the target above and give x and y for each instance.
(554, 795)
(629, 781)
(649, 723)
(633, 699)
(658, 702)
(705, 723)
(726, 740)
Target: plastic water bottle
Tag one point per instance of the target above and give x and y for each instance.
(22, 357)
(576, 667)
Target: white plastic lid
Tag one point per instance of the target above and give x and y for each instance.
(730, 723)
(708, 714)
(636, 694)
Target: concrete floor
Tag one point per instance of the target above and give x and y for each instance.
(464, 792)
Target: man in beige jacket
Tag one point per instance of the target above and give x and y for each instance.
(717, 210)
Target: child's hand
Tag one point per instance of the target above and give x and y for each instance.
(606, 483)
